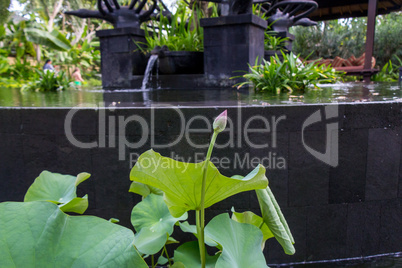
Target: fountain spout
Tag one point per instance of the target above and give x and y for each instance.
(148, 71)
(160, 51)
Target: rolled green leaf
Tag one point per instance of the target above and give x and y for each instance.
(275, 220)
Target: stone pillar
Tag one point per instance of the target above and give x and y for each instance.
(120, 56)
(231, 43)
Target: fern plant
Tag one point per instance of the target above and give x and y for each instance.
(49, 81)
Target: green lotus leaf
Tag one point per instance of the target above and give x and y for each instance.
(189, 255)
(59, 189)
(39, 234)
(171, 240)
(162, 260)
(188, 228)
(77, 205)
(154, 223)
(274, 219)
(251, 218)
(241, 243)
(178, 265)
(181, 182)
(143, 189)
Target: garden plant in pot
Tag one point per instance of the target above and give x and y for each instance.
(178, 41)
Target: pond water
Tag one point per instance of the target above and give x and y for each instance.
(335, 93)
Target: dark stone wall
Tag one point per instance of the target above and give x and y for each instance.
(351, 210)
(231, 43)
(121, 57)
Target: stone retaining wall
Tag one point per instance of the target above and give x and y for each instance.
(351, 210)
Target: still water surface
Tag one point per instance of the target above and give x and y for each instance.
(336, 93)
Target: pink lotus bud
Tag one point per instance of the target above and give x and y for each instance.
(220, 122)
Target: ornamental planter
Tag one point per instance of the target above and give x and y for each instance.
(181, 62)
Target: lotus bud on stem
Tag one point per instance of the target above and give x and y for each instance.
(220, 122)
(219, 125)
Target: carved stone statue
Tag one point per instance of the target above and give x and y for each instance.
(119, 16)
(240, 7)
(288, 13)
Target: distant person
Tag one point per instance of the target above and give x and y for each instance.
(48, 66)
(77, 77)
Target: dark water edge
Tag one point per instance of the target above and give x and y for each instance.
(380, 260)
(351, 92)
(388, 260)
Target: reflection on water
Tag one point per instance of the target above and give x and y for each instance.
(336, 93)
(389, 260)
(11, 97)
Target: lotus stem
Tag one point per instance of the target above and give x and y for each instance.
(200, 214)
(167, 255)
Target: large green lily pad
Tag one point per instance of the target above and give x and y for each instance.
(39, 234)
(181, 182)
(241, 243)
(154, 224)
(59, 189)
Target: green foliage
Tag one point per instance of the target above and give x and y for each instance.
(274, 219)
(29, 42)
(272, 42)
(181, 182)
(251, 218)
(388, 41)
(389, 72)
(4, 13)
(60, 190)
(241, 243)
(17, 40)
(344, 38)
(39, 234)
(288, 75)
(180, 34)
(53, 40)
(152, 221)
(329, 39)
(4, 66)
(196, 186)
(49, 81)
(93, 82)
(188, 255)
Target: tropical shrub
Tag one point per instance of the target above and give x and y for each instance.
(389, 72)
(345, 37)
(49, 81)
(288, 74)
(4, 10)
(272, 42)
(179, 33)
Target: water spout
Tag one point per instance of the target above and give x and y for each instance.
(148, 71)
